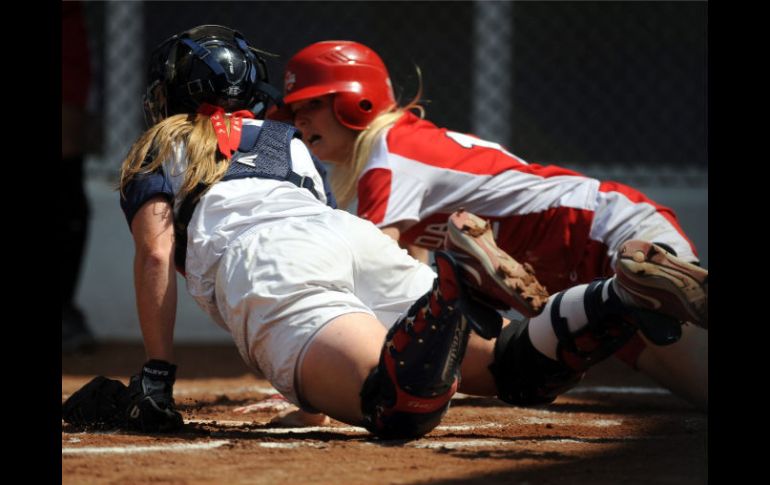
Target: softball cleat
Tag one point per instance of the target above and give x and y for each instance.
(657, 280)
(490, 274)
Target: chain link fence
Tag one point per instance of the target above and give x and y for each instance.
(615, 89)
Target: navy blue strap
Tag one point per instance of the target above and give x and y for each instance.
(249, 135)
(241, 43)
(203, 54)
(273, 93)
(181, 221)
(560, 326)
(593, 303)
(268, 89)
(273, 148)
(302, 181)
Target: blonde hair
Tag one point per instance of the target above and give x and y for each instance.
(204, 161)
(344, 177)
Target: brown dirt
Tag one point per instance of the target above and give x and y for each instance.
(594, 438)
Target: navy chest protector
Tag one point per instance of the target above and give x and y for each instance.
(263, 153)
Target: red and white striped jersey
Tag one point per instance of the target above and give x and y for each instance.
(566, 225)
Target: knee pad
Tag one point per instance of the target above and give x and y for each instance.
(608, 329)
(390, 412)
(408, 393)
(610, 325)
(524, 376)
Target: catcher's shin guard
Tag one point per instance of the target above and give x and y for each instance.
(610, 325)
(408, 392)
(525, 377)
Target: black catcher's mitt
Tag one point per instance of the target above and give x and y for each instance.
(101, 404)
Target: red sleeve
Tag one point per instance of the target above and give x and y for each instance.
(373, 194)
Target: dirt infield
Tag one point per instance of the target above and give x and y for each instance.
(617, 427)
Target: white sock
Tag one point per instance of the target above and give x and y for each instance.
(541, 328)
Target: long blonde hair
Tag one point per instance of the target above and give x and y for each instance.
(205, 164)
(344, 177)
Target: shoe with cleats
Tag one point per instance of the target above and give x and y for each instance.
(490, 274)
(658, 280)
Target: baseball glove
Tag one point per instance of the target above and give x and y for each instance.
(101, 404)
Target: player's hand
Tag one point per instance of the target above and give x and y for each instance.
(151, 407)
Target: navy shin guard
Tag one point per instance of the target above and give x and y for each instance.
(409, 391)
(610, 326)
(523, 376)
(526, 377)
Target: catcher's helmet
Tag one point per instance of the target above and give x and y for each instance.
(206, 64)
(354, 73)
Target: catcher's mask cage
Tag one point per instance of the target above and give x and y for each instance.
(353, 72)
(207, 64)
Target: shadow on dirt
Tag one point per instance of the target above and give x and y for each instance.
(670, 459)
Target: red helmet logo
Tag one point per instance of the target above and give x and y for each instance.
(288, 81)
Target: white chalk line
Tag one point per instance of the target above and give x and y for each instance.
(305, 429)
(86, 450)
(579, 390)
(597, 423)
(274, 445)
(301, 444)
(466, 444)
(423, 443)
(618, 390)
(567, 419)
(453, 445)
(497, 443)
(326, 429)
(359, 430)
(184, 391)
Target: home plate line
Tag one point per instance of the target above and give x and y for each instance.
(496, 443)
(325, 429)
(423, 443)
(143, 449)
(458, 445)
(617, 390)
(185, 391)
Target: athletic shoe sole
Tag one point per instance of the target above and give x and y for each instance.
(659, 281)
(489, 272)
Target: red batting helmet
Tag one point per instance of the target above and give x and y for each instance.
(354, 73)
